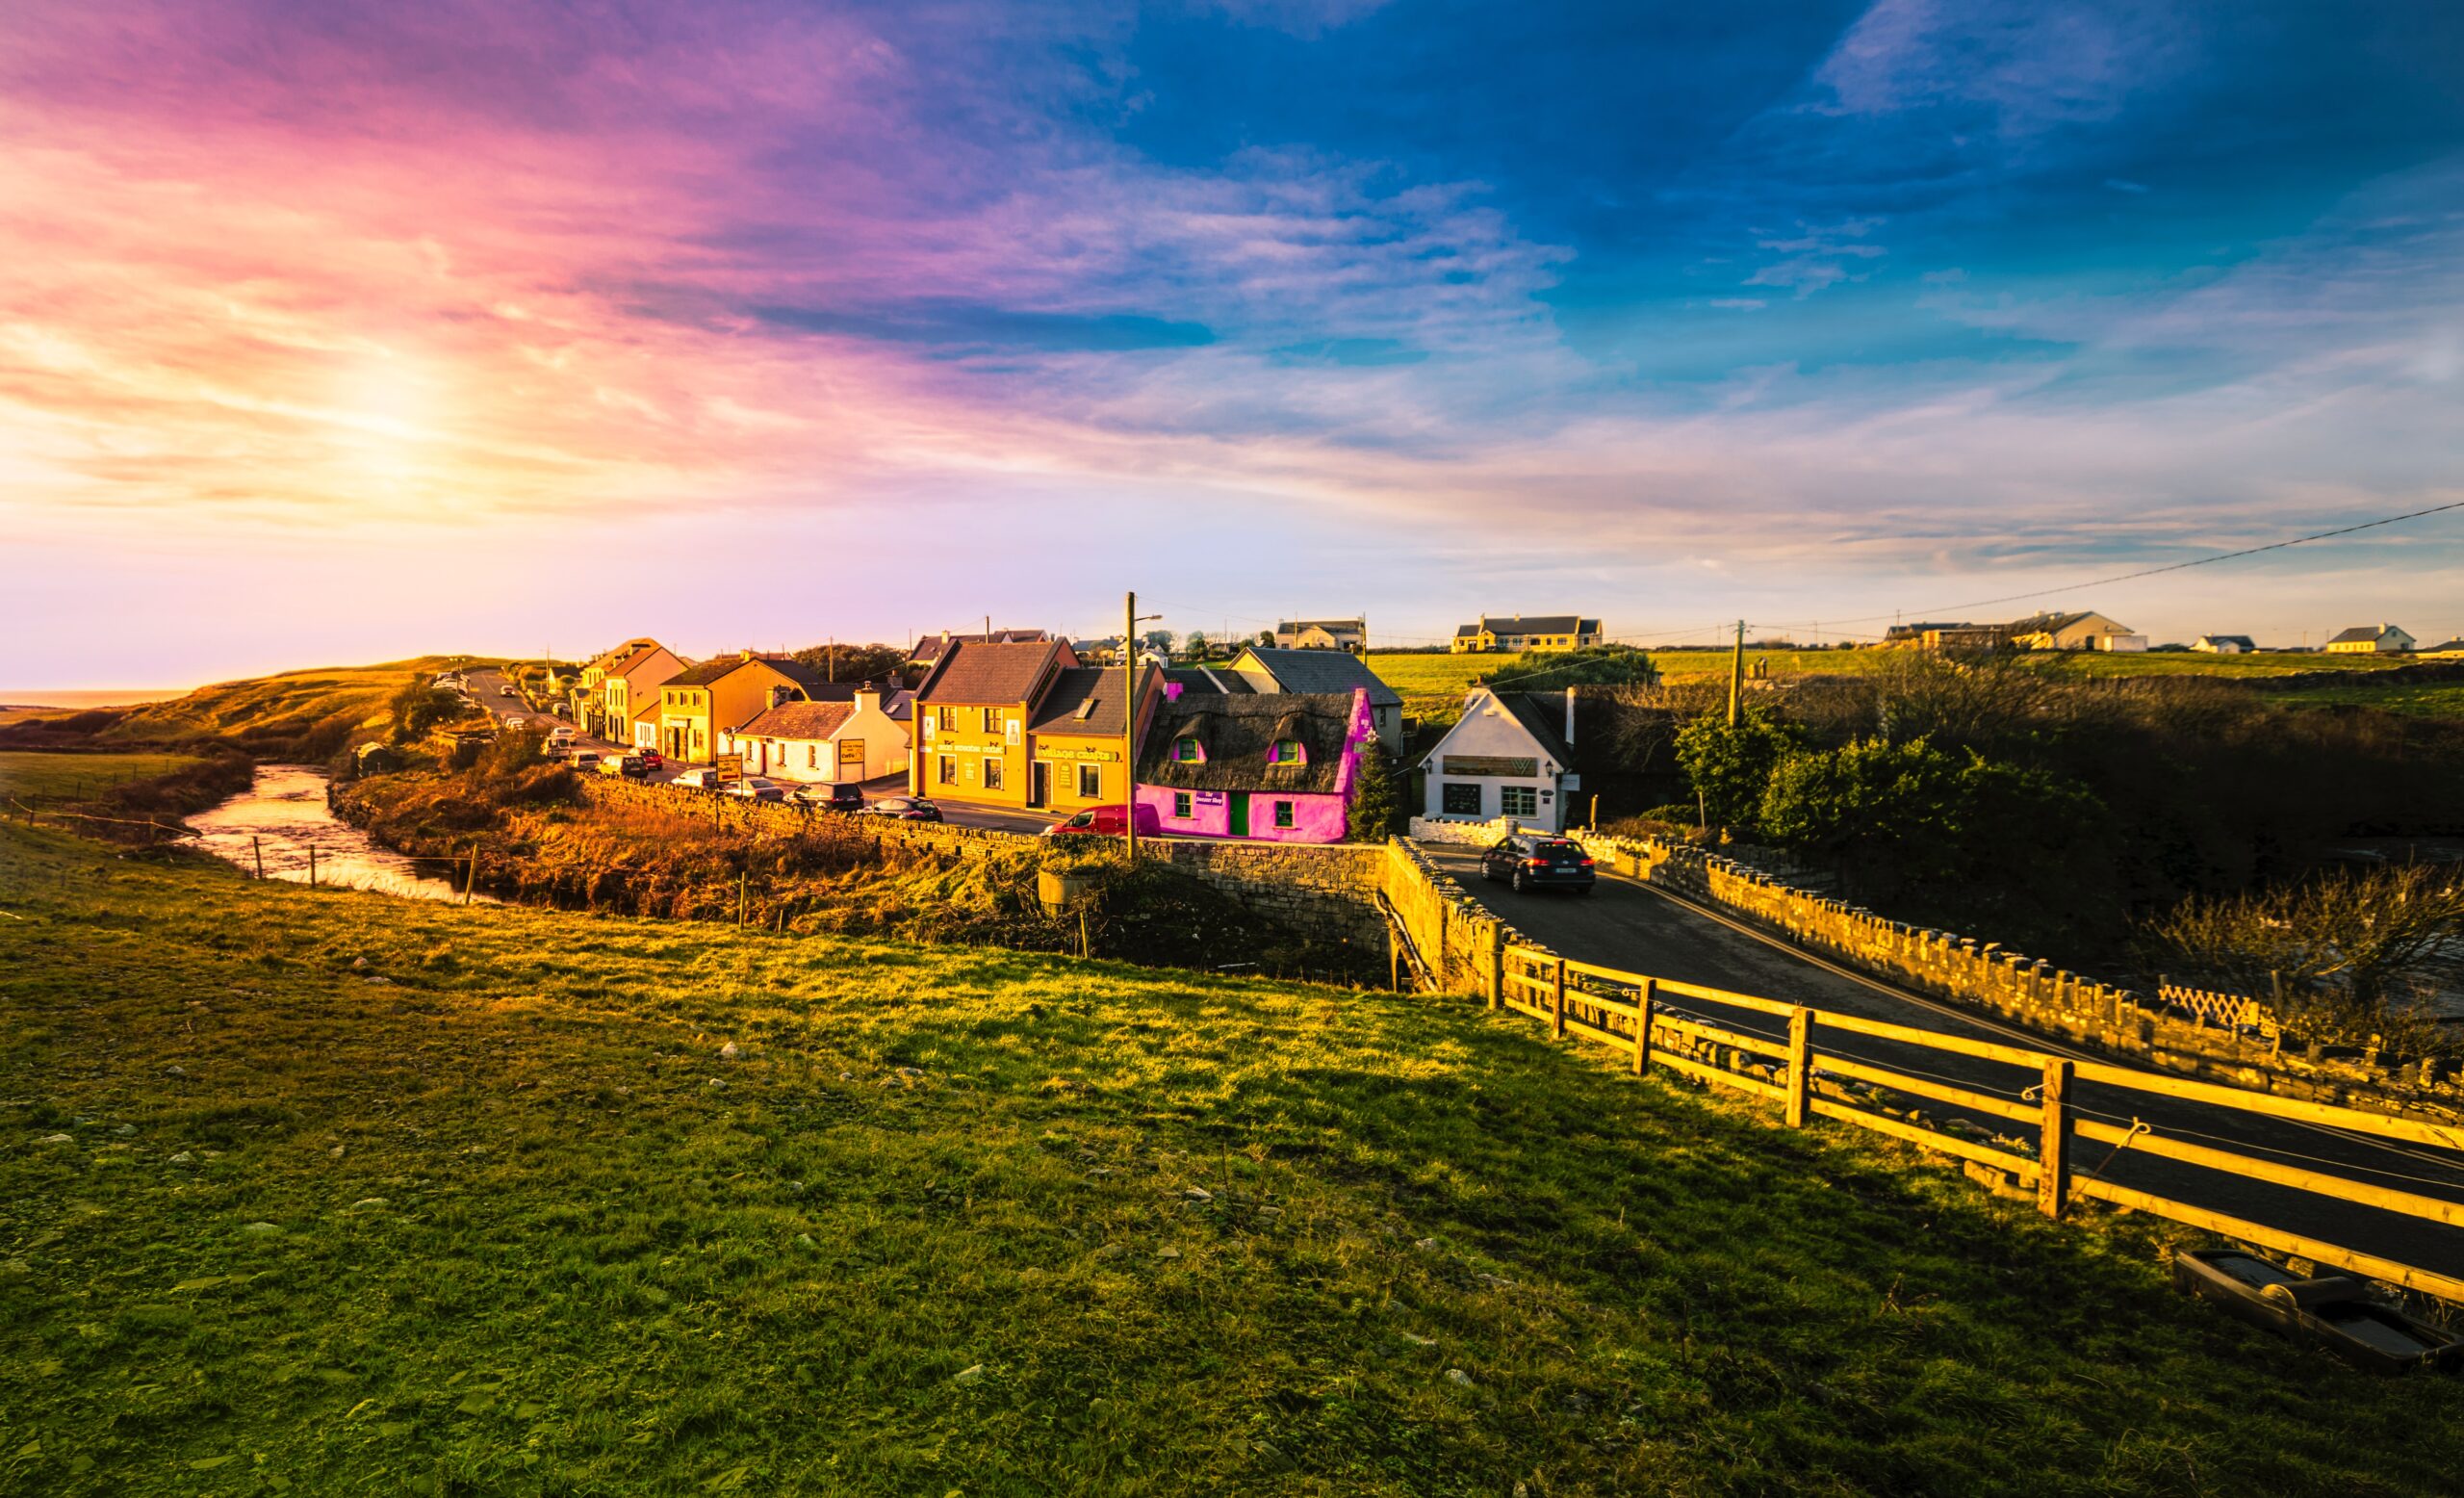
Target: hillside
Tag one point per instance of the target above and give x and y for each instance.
(296, 715)
(497, 1212)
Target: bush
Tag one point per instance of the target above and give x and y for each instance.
(1730, 765)
(1377, 800)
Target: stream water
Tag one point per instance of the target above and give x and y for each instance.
(284, 814)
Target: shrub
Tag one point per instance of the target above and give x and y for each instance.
(1728, 765)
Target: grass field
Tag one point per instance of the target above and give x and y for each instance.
(56, 777)
(495, 1213)
(294, 700)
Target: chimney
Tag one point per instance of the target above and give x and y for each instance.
(1570, 716)
(1171, 691)
(868, 698)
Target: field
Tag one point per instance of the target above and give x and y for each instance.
(495, 1212)
(42, 778)
(1432, 685)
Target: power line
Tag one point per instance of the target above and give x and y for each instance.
(2150, 571)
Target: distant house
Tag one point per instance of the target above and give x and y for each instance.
(1104, 652)
(1351, 634)
(2073, 631)
(932, 647)
(1942, 636)
(1539, 632)
(619, 687)
(1258, 670)
(700, 709)
(1510, 755)
(2223, 644)
(820, 742)
(1276, 768)
(2445, 649)
(2370, 640)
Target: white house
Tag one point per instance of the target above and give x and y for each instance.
(1507, 755)
(819, 742)
(2370, 640)
(2225, 644)
(2074, 631)
(1351, 635)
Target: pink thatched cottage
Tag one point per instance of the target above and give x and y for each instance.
(1273, 769)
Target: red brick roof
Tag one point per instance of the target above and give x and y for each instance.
(813, 721)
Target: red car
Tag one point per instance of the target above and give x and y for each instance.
(1103, 821)
(652, 760)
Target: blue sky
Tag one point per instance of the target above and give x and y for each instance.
(1665, 312)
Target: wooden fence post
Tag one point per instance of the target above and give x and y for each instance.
(257, 846)
(1643, 1025)
(311, 865)
(1800, 1064)
(1496, 966)
(742, 881)
(2053, 1153)
(1557, 1003)
(471, 880)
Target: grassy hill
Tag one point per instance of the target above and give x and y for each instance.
(497, 1212)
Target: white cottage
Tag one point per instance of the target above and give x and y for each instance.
(820, 742)
(1509, 755)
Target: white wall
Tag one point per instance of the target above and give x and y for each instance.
(1487, 730)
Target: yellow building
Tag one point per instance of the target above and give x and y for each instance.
(1518, 634)
(701, 709)
(1074, 738)
(614, 687)
(971, 715)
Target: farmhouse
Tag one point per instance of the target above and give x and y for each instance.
(2074, 631)
(1351, 634)
(1509, 756)
(2223, 644)
(1539, 632)
(2370, 640)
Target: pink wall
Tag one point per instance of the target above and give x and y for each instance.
(1315, 817)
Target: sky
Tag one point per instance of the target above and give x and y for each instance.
(348, 332)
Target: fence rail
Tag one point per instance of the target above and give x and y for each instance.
(1811, 1075)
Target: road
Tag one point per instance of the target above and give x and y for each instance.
(1629, 925)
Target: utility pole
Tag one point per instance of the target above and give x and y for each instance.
(1128, 722)
(1736, 673)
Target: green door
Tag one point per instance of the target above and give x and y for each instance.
(1240, 813)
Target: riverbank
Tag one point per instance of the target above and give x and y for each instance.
(502, 1211)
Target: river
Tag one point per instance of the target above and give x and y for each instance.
(284, 814)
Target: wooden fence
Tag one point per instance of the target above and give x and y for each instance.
(1630, 1012)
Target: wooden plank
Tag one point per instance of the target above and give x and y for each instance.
(1698, 1030)
(2341, 1187)
(1557, 1002)
(1643, 1029)
(1715, 1075)
(1767, 1006)
(1800, 1065)
(1934, 1040)
(1918, 1134)
(2428, 1281)
(2444, 1136)
(2053, 1149)
(1940, 1092)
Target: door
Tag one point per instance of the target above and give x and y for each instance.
(1040, 784)
(1240, 813)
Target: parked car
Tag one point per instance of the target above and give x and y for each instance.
(703, 777)
(757, 788)
(620, 764)
(1530, 861)
(652, 760)
(555, 752)
(562, 733)
(513, 722)
(584, 760)
(507, 691)
(843, 796)
(1103, 821)
(906, 809)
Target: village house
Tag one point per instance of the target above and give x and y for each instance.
(700, 708)
(1540, 631)
(1351, 634)
(933, 647)
(971, 715)
(1275, 768)
(619, 685)
(2370, 640)
(2223, 644)
(1938, 636)
(1104, 652)
(1510, 755)
(1258, 670)
(823, 742)
(2086, 631)
(2444, 648)
(1076, 754)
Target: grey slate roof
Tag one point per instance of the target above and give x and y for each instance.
(1536, 624)
(1077, 686)
(2362, 632)
(801, 720)
(1322, 671)
(974, 673)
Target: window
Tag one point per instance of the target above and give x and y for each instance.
(1518, 801)
(1181, 806)
(948, 717)
(813, 756)
(992, 774)
(948, 774)
(1186, 750)
(1462, 798)
(1090, 781)
(1287, 751)
(1283, 814)
(992, 720)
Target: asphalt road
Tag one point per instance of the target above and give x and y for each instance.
(1628, 925)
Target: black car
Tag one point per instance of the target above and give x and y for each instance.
(843, 796)
(906, 809)
(1529, 861)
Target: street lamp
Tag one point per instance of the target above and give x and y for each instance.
(1131, 620)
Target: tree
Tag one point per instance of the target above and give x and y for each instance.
(418, 707)
(1377, 797)
(1729, 766)
(1195, 644)
(1266, 639)
(853, 662)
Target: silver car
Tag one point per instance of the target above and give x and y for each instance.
(755, 787)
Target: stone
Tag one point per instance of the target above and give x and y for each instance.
(336, 1151)
(966, 1375)
(1168, 1254)
(1198, 1194)
(184, 1159)
(59, 1139)
(175, 1071)
(1459, 1378)
(1425, 1244)
(369, 1201)
(730, 1052)
(125, 1130)
(260, 1230)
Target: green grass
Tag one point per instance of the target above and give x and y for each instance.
(353, 695)
(494, 1214)
(56, 777)
(2429, 700)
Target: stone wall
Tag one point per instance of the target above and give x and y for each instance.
(2032, 993)
(1457, 938)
